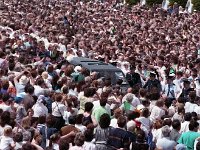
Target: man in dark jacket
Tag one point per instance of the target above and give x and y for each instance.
(133, 78)
(118, 137)
(153, 83)
(186, 90)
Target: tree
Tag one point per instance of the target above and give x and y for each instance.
(196, 4)
(132, 2)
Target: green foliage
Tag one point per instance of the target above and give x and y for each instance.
(151, 2)
(179, 2)
(196, 4)
(182, 3)
(132, 2)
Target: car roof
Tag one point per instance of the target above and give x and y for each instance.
(93, 65)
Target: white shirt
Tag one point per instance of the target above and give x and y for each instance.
(19, 88)
(178, 83)
(81, 127)
(76, 148)
(58, 109)
(38, 90)
(166, 144)
(39, 110)
(89, 146)
(157, 134)
(5, 107)
(48, 83)
(156, 113)
(145, 124)
(67, 114)
(184, 126)
(113, 123)
(72, 93)
(189, 107)
(5, 142)
(170, 91)
(197, 84)
(197, 110)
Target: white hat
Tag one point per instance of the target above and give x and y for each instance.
(77, 68)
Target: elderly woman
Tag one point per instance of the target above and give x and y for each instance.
(127, 106)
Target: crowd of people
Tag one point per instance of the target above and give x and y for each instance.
(43, 107)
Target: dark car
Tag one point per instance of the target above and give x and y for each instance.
(104, 70)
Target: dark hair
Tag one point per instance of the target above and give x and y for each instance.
(181, 109)
(145, 102)
(79, 139)
(5, 118)
(104, 121)
(179, 73)
(188, 116)
(39, 81)
(50, 68)
(34, 73)
(121, 121)
(88, 135)
(88, 106)
(142, 92)
(50, 121)
(29, 89)
(107, 82)
(193, 125)
(181, 100)
(140, 136)
(28, 146)
(168, 102)
(87, 92)
(167, 121)
(192, 96)
(5, 97)
(5, 84)
(41, 119)
(145, 112)
(79, 119)
(133, 115)
(72, 120)
(63, 145)
(58, 97)
(103, 99)
(40, 70)
(198, 146)
(18, 137)
(65, 89)
(11, 66)
(194, 116)
(176, 124)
